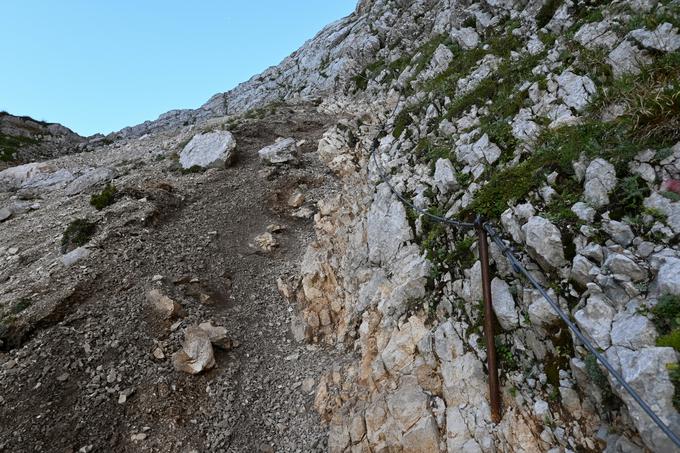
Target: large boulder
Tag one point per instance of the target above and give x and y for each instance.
(212, 149)
(90, 178)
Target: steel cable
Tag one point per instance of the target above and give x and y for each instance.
(519, 267)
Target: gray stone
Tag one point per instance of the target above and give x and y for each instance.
(408, 403)
(668, 278)
(544, 242)
(584, 212)
(89, 179)
(670, 208)
(619, 232)
(627, 59)
(467, 38)
(617, 263)
(597, 34)
(574, 90)
(600, 181)
(211, 149)
(646, 370)
(581, 270)
(445, 176)
(387, 226)
(541, 312)
(595, 320)
(633, 331)
(282, 151)
(74, 256)
(504, 304)
(664, 39)
(5, 214)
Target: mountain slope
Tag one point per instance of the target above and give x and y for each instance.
(556, 121)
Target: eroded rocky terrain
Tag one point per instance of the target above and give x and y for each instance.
(353, 322)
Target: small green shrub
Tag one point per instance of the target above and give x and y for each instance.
(193, 169)
(671, 340)
(21, 305)
(666, 313)
(105, 198)
(78, 233)
(10, 145)
(674, 375)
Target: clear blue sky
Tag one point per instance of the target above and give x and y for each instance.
(98, 66)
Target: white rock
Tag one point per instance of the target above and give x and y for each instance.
(467, 38)
(541, 312)
(283, 150)
(646, 370)
(574, 90)
(440, 62)
(212, 149)
(584, 212)
(89, 179)
(618, 263)
(595, 320)
(163, 305)
(619, 231)
(665, 38)
(600, 181)
(196, 354)
(670, 208)
(633, 331)
(74, 256)
(597, 34)
(445, 176)
(408, 404)
(668, 278)
(504, 304)
(627, 59)
(544, 242)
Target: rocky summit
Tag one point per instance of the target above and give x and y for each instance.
(270, 272)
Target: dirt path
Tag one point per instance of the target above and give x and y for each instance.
(62, 390)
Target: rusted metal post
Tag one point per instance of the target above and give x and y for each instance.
(494, 392)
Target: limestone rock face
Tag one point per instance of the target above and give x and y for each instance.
(212, 149)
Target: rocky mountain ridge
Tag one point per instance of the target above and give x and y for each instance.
(555, 120)
(23, 139)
